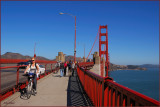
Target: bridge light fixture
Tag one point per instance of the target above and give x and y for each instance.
(75, 35)
(61, 13)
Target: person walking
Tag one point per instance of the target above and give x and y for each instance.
(73, 67)
(69, 67)
(57, 65)
(61, 69)
(65, 67)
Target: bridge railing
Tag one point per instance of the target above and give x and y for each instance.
(86, 64)
(6, 92)
(103, 91)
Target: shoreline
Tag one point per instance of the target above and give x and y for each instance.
(142, 69)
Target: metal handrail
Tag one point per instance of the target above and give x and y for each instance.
(9, 91)
(103, 91)
(14, 61)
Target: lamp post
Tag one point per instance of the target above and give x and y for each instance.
(75, 34)
(34, 50)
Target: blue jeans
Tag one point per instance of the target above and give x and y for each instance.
(61, 71)
(34, 81)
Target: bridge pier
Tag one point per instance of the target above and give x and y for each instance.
(99, 65)
(60, 57)
(84, 59)
(96, 60)
(103, 67)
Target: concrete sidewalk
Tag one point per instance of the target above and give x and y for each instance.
(51, 91)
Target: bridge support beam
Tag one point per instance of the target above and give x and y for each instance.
(103, 43)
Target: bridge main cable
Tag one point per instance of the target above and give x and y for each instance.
(93, 45)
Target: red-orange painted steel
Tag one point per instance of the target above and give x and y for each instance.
(17, 76)
(11, 67)
(106, 96)
(118, 100)
(133, 94)
(105, 43)
(114, 93)
(10, 61)
(109, 97)
(124, 102)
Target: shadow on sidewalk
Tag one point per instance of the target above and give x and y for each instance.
(75, 93)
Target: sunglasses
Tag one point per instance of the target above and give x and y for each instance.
(33, 60)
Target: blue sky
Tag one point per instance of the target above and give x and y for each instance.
(133, 28)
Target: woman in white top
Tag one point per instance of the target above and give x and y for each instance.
(34, 68)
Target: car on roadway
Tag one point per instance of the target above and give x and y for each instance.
(41, 69)
(23, 63)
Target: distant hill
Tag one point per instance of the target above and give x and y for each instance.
(70, 57)
(10, 55)
(149, 66)
(114, 67)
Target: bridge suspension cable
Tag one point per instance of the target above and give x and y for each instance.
(93, 45)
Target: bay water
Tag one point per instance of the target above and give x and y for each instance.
(145, 82)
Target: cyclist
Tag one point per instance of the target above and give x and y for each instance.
(34, 68)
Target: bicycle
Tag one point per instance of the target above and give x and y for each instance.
(30, 91)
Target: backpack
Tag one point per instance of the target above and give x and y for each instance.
(69, 65)
(62, 66)
(35, 65)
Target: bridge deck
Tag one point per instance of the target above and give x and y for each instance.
(53, 90)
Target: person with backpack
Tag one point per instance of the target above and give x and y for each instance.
(34, 68)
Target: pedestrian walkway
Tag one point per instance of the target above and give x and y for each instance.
(53, 90)
(76, 96)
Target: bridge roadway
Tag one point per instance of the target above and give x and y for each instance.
(53, 90)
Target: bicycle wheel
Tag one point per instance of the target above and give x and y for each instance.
(29, 89)
(33, 92)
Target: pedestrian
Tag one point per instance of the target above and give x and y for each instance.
(73, 67)
(65, 67)
(57, 67)
(61, 69)
(69, 67)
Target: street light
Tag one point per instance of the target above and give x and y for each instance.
(75, 34)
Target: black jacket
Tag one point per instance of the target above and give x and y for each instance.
(62, 66)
